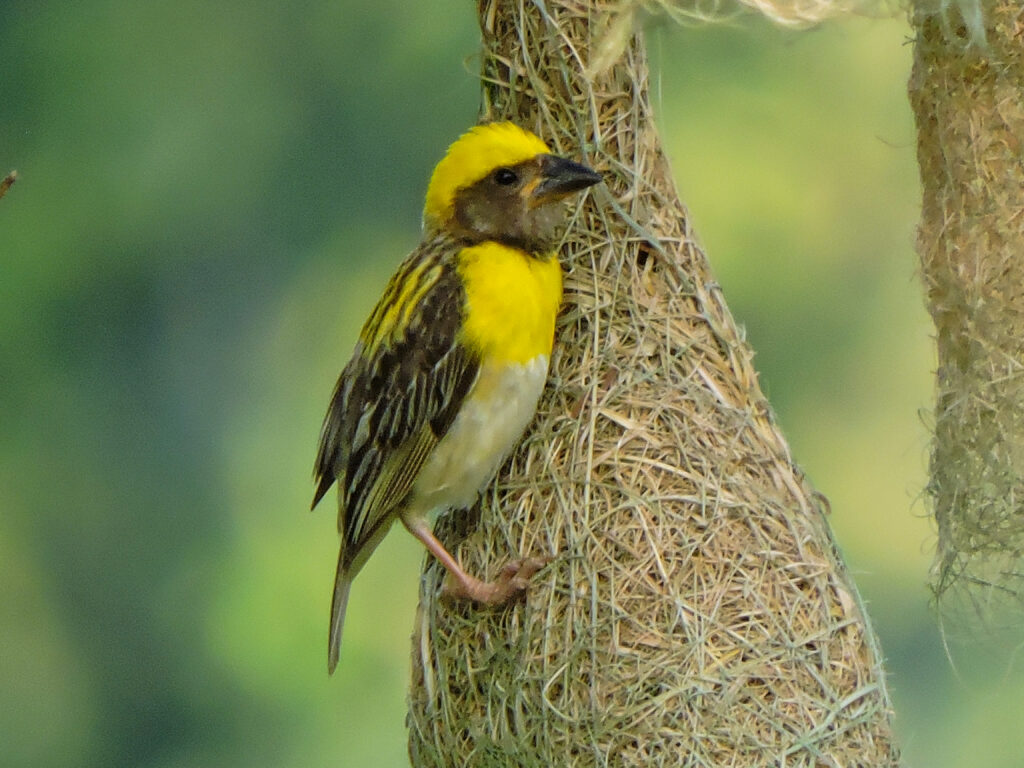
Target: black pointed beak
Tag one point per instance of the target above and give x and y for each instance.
(560, 178)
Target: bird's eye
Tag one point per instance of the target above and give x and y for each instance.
(505, 176)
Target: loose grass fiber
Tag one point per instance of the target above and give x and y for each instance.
(969, 103)
(696, 611)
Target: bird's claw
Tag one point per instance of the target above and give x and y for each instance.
(512, 582)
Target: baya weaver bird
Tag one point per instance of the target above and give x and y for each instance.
(449, 366)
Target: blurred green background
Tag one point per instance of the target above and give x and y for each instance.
(212, 196)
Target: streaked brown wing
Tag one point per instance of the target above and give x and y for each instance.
(398, 395)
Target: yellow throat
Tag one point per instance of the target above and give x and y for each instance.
(512, 299)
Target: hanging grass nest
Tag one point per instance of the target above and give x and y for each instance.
(695, 611)
(970, 116)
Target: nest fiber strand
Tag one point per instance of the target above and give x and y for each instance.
(695, 612)
(969, 104)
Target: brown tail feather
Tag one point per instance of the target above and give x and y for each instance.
(342, 582)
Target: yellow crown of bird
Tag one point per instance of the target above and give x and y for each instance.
(470, 158)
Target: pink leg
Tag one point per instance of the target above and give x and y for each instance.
(513, 581)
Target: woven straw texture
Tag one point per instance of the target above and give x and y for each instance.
(695, 611)
(969, 104)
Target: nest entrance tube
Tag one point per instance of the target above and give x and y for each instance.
(696, 611)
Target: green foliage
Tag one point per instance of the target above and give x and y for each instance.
(210, 197)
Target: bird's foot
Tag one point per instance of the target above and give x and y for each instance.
(511, 582)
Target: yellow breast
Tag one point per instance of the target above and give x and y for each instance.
(512, 299)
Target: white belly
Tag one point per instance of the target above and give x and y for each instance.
(491, 421)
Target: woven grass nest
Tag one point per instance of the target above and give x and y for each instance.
(695, 611)
(967, 98)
